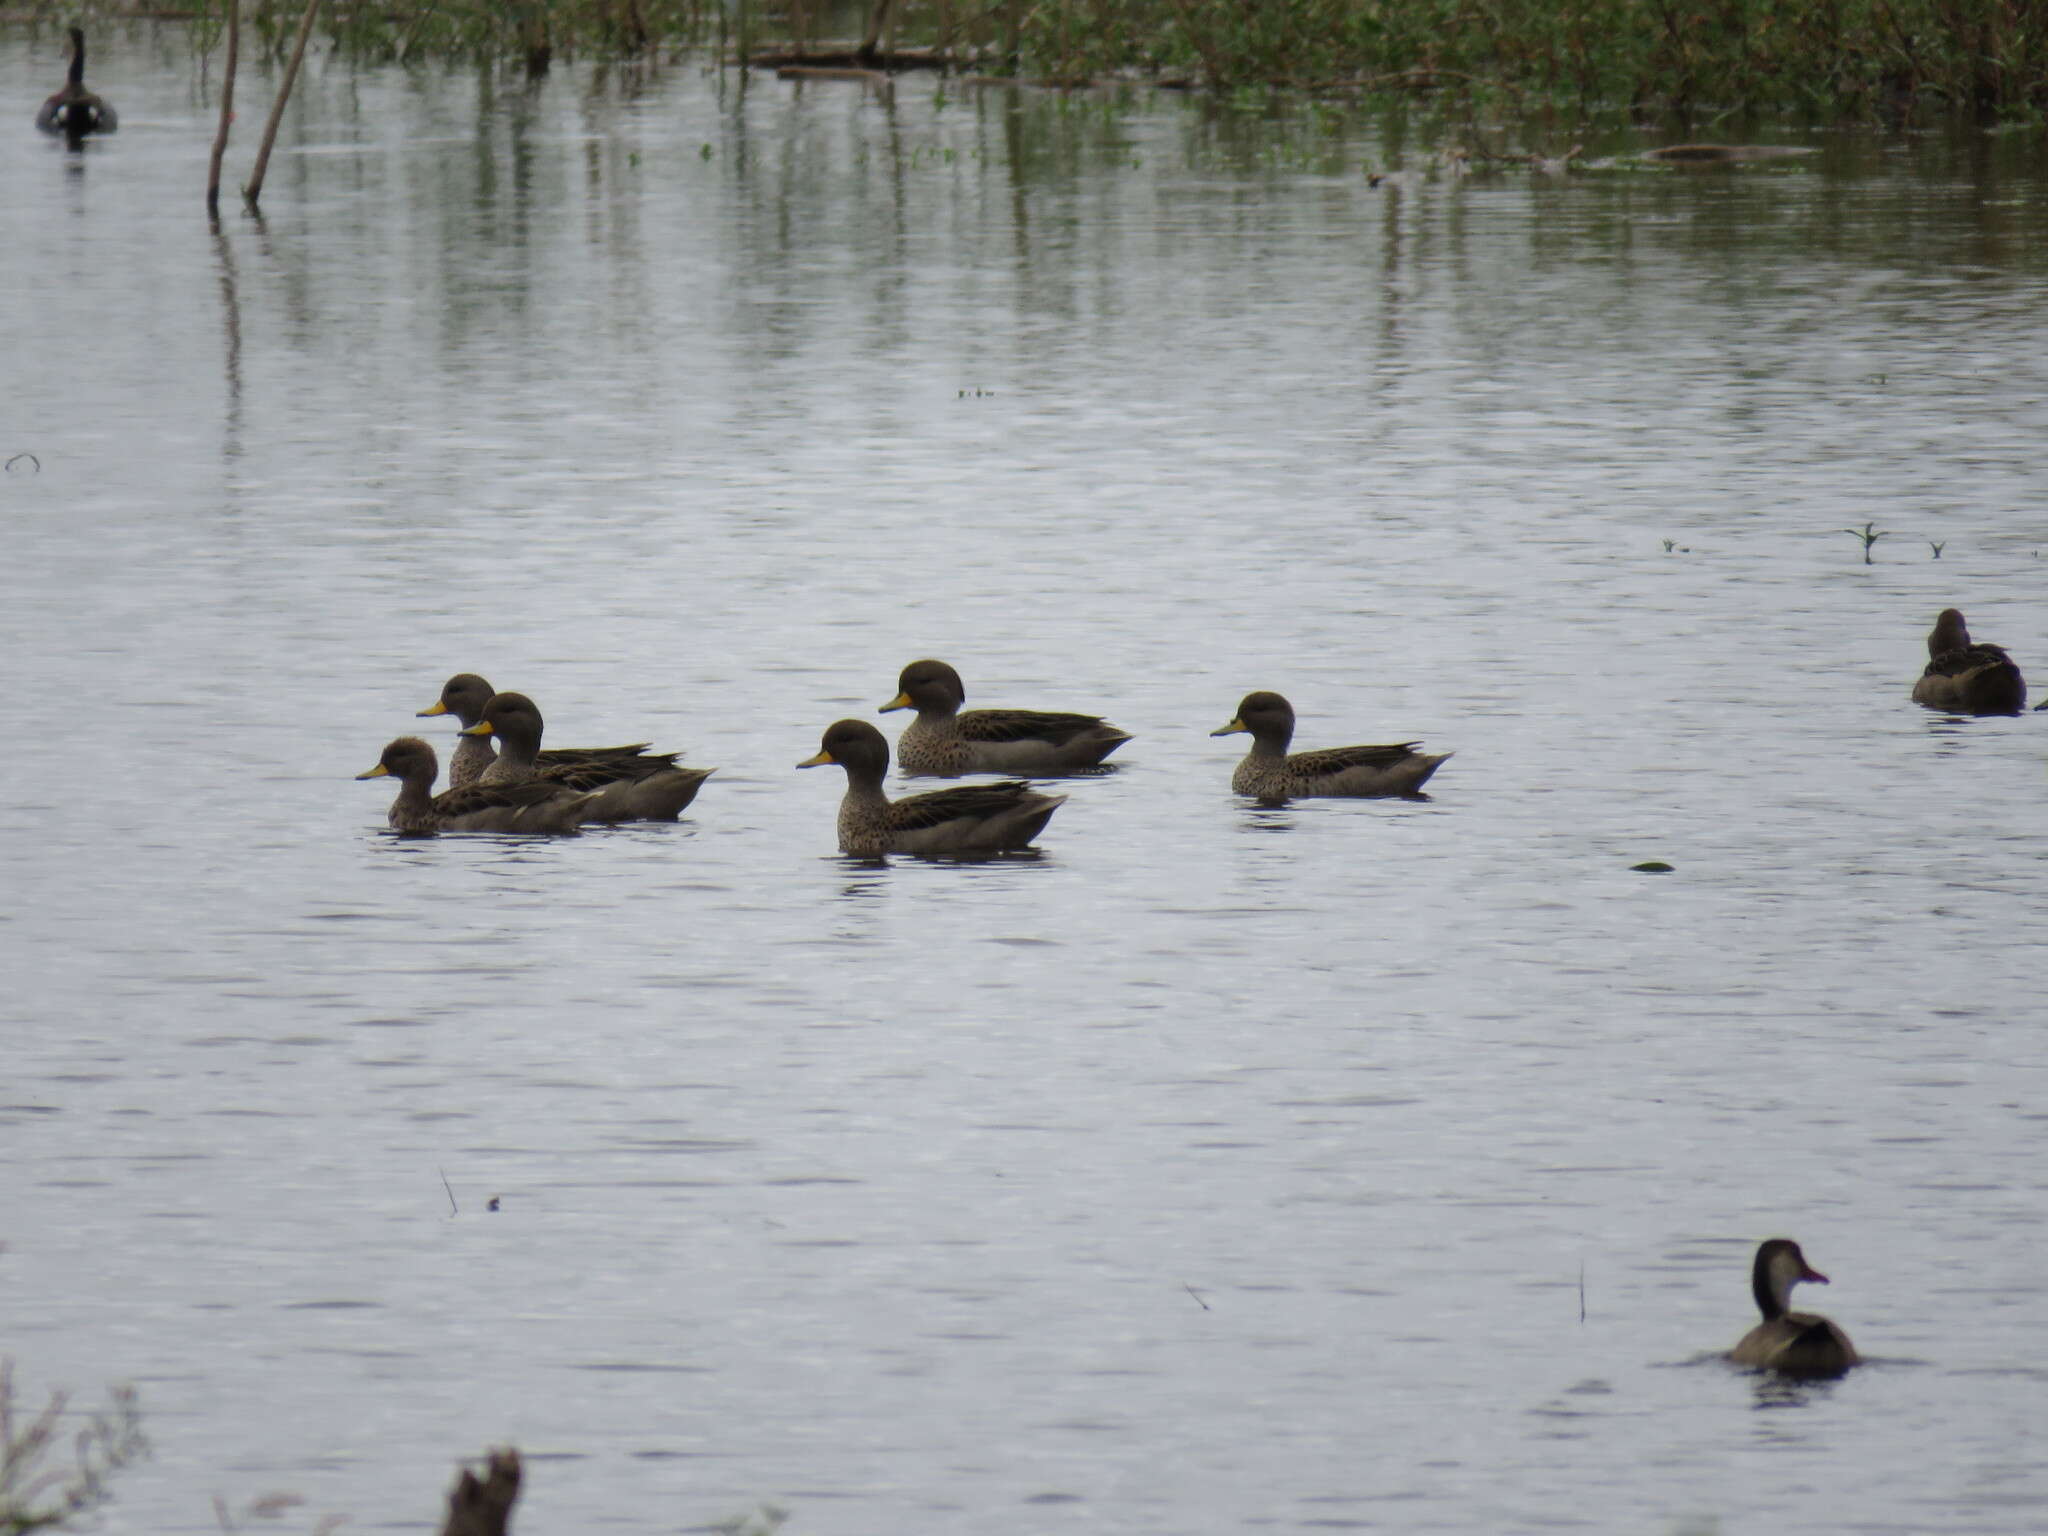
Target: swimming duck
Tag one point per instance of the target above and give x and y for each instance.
(1270, 772)
(1555, 165)
(533, 807)
(972, 818)
(628, 789)
(1796, 1343)
(1967, 679)
(74, 111)
(941, 740)
(464, 696)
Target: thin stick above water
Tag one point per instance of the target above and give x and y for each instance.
(227, 110)
(254, 190)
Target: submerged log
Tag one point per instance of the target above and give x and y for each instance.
(483, 1506)
(1723, 154)
(852, 59)
(821, 72)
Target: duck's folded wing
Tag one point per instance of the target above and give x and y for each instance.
(969, 802)
(636, 755)
(1338, 759)
(1023, 725)
(599, 773)
(1966, 659)
(472, 798)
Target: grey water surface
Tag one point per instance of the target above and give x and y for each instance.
(1381, 1165)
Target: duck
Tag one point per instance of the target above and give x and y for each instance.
(531, 807)
(1967, 679)
(942, 741)
(74, 111)
(1270, 772)
(1555, 165)
(968, 819)
(464, 696)
(1795, 1343)
(647, 788)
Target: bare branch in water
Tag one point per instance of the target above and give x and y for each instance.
(34, 1497)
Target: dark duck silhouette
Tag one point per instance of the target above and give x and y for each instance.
(968, 819)
(1792, 1343)
(1965, 677)
(1270, 772)
(74, 111)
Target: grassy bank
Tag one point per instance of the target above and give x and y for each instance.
(1833, 57)
(1827, 55)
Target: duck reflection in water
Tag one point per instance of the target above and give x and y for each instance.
(1269, 816)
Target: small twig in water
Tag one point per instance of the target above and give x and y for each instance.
(453, 1210)
(1196, 1294)
(1869, 533)
(37, 1498)
(1937, 548)
(254, 190)
(34, 1496)
(1582, 1290)
(38, 463)
(227, 110)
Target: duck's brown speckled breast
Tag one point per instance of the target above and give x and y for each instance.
(1263, 778)
(932, 746)
(471, 760)
(863, 827)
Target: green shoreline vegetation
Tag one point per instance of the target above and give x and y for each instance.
(1834, 58)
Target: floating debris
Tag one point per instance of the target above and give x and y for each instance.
(1869, 533)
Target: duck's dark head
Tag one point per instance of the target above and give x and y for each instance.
(464, 696)
(855, 746)
(926, 686)
(1266, 716)
(1950, 633)
(1779, 1266)
(512, 717)
(407, 758)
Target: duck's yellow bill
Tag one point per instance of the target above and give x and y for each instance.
(438, 709)
(481, 728)
(901, 701)
(819, 761)
(378, 772)
(1231, 729)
